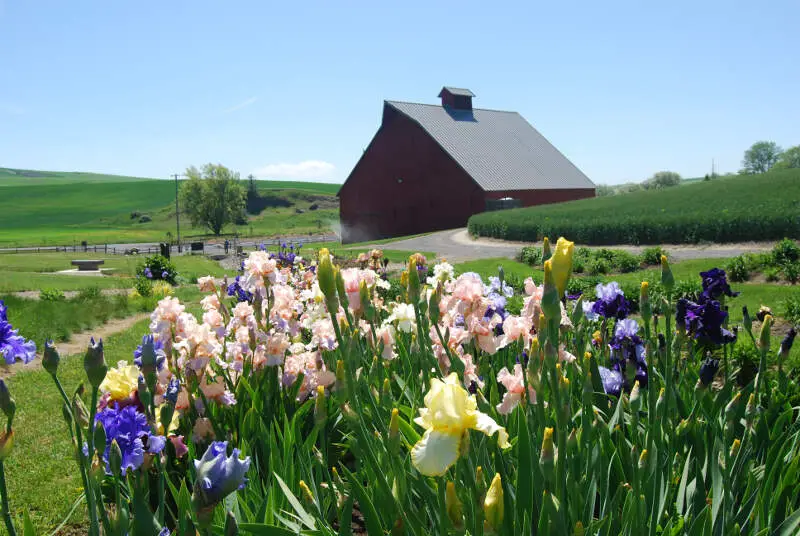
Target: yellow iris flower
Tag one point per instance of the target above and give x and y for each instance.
(449, 413)
(562, 264)
(121, 382)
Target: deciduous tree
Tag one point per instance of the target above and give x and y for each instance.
(761, 156)
(213, 197)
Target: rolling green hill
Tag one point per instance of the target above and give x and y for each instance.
(741, 208)
(60, 208)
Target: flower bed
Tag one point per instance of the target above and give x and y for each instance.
(307, 398)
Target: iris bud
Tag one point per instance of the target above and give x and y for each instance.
(6, 444)
(764, 336)
(455, 510)
(307, 495)
(644, 301)
(94, 363)
(50, 358)
(636, 399)
(546, 253)
(413, 281)
(433, 304)
(732, 409)
(747, 322)
(320, 406)
(115, 458)
(547, 456)
(99, 439)
(667, 279)
(7, 404)
(551, 305)
(493, 506)
(735, 448)
(643, 458)
(480, 481)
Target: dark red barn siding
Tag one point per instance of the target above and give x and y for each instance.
(405, 183)
(543, 197)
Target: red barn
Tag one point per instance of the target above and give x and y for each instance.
(431, 167)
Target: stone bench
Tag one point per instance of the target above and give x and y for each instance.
(87, 265)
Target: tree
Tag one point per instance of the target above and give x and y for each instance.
(662, 179)
(213, 197)
(790, 158)
(761, 156)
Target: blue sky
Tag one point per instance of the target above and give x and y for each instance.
(295, 89)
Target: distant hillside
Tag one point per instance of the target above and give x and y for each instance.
(28, 177)
(58, 208)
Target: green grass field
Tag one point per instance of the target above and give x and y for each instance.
(752, 207)
(36, 271)
(55, 208)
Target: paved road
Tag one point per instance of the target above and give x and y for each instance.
(456, 245)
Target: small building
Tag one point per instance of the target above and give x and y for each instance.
(431, 167)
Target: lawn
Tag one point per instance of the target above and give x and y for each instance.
(34, 271)
(744, 208)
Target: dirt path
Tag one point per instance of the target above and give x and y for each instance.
(78, 343)
(456, 245)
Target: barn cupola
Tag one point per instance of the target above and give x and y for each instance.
(456, 98)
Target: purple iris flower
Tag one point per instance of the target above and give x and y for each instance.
(495, 287)
(611, 302)
(147, 273)
(164, 275)
(129, 428)
(152, 350)
(627, 357)
(715, 284)
(235, 289)
(707, 371)
(788, 341)
(219, 475)
(173, 389)
(574, 297)
(704, 321)
(13, 346)
(612, 380)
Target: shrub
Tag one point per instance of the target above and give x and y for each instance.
(791, 309)
(161, 289)
(772, 274)
(737, 270)
(143, 286)
(89, 293)
(652, 256)
(530, 255)
(791, 272)
(599, 266)
(786, 252)
(158, 267)
(51, 294)
(625, 262)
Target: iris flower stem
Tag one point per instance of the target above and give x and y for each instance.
(94, 528)
(6, 508)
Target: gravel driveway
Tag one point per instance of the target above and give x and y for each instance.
(456, 245)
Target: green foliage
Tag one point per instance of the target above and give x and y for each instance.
(598, 266)
(530, 255)
(785, 252)
(213, 197)
(742, 211)
(791, 309)
(652, 256)
(737, 270)
(143, 286)
(761, 156)
(791, 272)
(156, 268)
(51, 294)
(772, 274)
(790, 158)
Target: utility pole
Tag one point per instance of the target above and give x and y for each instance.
(177, 212)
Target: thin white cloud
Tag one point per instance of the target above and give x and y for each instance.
(306, 170)
(241, 105)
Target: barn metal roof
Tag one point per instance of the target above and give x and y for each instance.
(499, 150)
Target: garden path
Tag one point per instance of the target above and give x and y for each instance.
(78, 342)
(456, 245)
(34, 294)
